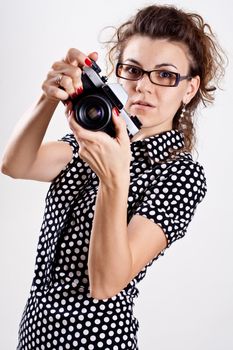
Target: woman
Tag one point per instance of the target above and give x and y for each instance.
(114, 205)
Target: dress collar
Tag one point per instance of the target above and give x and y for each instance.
(158, 147)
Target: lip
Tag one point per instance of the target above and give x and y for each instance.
(142, 104)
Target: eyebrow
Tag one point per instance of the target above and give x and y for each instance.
(157, 65)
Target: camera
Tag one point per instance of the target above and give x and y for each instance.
(93, 108)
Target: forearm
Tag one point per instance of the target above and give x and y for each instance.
(27, 137)
(110, 260)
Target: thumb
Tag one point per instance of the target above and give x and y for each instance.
(119, 124)
(93, 56)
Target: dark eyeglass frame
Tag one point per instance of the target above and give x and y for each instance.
(178, 76)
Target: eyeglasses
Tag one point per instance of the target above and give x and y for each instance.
(160, 77)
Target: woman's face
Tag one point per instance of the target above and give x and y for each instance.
(154, 105)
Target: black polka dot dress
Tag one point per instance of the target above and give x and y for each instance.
(60, 313)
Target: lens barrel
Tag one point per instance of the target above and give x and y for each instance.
(93, 112)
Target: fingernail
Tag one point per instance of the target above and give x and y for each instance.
(79, 90)
(68, 103)
(88, 62)
(74, 95)
(116, 111)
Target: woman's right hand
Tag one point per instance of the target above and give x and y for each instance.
(64, 79)
(26, 156)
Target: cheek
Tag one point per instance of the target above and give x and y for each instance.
(171, 99)
(129, 86)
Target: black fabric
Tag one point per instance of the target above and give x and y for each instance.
(60, 313)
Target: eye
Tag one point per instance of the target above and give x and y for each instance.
(127, 71)
(133, 70)
(164, 77)
(166, 74)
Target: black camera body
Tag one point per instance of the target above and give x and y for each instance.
(93, 108)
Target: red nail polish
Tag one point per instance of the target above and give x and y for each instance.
(79, 90)
(88, 62)
(116, 111)
(74, 95)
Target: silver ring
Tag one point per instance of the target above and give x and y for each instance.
(58, 79)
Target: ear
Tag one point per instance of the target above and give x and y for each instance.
(193, 86)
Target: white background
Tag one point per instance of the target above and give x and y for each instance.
(185, 301)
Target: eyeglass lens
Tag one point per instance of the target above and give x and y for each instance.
(161, 77)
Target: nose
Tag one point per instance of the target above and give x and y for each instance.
(144, 84)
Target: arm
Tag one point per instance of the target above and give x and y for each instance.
(25, 156)
(110, 258)
(117, 253)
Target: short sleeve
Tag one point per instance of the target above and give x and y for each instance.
(71, 140)
(172, 200)
(77, 167)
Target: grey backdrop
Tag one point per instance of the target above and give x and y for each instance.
(185, 300)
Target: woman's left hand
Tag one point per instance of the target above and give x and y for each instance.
(108, 157)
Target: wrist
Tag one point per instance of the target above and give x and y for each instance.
(116, 183)
(49, 101)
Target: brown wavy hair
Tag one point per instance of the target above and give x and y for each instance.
(207, 57)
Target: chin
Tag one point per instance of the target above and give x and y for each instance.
(147, 119)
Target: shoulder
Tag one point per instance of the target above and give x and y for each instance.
(76, 167)
(171, 198)
(71, 140)
(190, 167)
(186, 161)
(182, 175)
(188, 173)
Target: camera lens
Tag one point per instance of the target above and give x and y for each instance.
(93, 112)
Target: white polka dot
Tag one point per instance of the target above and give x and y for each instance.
(66, 317)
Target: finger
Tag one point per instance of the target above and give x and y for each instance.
(85, 134)
(77, 58)
(119, 124)
(75, 73)
(54, 92)
(66, 82)
(62, 82)
(93, 55)
(69, 108)
(79, 131)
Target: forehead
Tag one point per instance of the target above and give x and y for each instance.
(151, 52)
